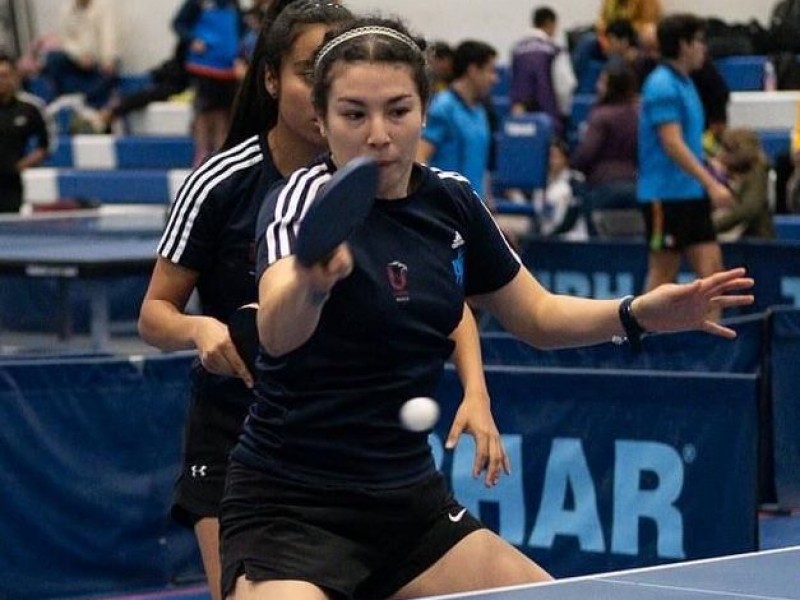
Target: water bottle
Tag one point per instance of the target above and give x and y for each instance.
(770, 77)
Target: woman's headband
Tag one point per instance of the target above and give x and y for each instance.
(361, 31)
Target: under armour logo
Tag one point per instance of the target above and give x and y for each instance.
(199, 471)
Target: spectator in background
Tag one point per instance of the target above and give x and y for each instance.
(675, 188)
(558, 209)
(167, 79)
(747, 171)
(21, 121)
(212, 30)
(621, 43)
(440, 64)
(457, 134)
(607, 151)
(542, 79)
(87, 60)
(643, 15)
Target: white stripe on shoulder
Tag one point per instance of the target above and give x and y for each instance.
(500, 231)
(196, 189)
(459, 177)
(449, 175)
(290, 208)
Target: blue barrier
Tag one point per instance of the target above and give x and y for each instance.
(615, 469)
(611, 469)
(137, 186)
(140, 186)
(613, 269)
(682, 352)
(90, 451)
(784, 360)
(787, 227)
(129, 152)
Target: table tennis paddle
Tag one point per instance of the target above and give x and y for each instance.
(339, 209)
(243, 329)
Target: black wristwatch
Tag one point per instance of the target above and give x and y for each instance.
(633, 329)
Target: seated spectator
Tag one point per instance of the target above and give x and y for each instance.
(87, 60)
(557, 209)
(167, 79)
(747, 170)
(607, 151)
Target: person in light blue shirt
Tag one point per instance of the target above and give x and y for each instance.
(457, 135)
(675, 188)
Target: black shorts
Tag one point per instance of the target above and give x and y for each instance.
(351, 542)
(677, 224)
(213, 94)
(216, 412)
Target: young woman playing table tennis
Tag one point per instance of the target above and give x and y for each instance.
(208, 246)
(328, 496)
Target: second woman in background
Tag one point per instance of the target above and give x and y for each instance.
(207, 246)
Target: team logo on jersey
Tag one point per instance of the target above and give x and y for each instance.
(397, 274)
(458, 241)
(199, 471)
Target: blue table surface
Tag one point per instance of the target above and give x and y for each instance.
(769, 575)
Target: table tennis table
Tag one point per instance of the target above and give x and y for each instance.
(766, 575)
(91, 247)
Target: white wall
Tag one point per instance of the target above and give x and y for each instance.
(145, 36)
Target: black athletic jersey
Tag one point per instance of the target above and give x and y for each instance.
(21, 120)
(211, 230)
(211, 227)
(327, 412)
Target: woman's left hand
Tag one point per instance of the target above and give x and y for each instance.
(680, 307)
(474, 416)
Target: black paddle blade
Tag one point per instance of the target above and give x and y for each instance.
(339, 209)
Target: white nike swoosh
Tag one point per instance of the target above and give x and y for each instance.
(456, 517)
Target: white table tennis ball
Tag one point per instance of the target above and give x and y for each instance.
(419, 414)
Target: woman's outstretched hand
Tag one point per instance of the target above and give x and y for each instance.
(680, 307)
